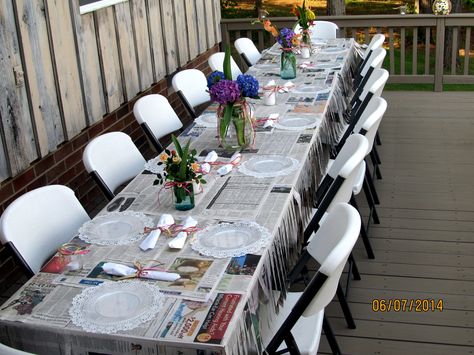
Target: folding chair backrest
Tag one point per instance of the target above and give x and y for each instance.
(324, 30)
(375, 60)
(40, 221)
(330, 247)
(192, 84)
(246, 48)
(341, 177)
(376, 42)
(216, 62)
(375, 84)
(369, 122)
(114, 159)
(155, 114)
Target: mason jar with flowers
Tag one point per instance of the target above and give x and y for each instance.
(287, 39)
(180, 171)
(235, 121)
(306, 18)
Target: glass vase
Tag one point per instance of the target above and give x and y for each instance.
(236, 126)
(288, 65)
(183, 196)
(305, 46)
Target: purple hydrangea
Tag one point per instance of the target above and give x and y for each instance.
(285, 36)
(225, 92)
(214, 78)
(248, 85)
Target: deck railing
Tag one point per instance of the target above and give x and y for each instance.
(416, 43)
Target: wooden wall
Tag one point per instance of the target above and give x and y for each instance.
(61, 72)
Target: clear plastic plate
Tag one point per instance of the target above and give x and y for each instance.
(297, 123)
(268, 166)
(229, 240)
(207, 120)
(116, 228)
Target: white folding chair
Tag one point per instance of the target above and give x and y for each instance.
(247, 50)
(367, 126)
(157, 118)
(301, 319)
(376, 42)
(374, 62)
(191, 87)
(324, 30)
(216, 62)
(112, 159)
(38, 222)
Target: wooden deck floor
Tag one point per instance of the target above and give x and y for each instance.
(424, 246)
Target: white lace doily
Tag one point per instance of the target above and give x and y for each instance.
(116, 306)
(262, 166)
(115, 228)
(227, 240)
(153, 167)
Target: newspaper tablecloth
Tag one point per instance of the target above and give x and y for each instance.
(216, 308)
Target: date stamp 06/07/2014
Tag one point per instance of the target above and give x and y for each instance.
(407, 305)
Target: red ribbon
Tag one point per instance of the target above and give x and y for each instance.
(173, 229)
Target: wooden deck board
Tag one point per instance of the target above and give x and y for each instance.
(425, 243)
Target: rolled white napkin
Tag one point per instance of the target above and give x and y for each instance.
(150, 241)
(124, 270)
(271, 120)
(236, 158)
(205, 168)
(211, 157)
(286, 87)
(178, 241)
(225, 169)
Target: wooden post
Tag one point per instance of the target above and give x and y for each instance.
(439, 61)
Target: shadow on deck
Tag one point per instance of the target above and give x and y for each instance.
(424, 246)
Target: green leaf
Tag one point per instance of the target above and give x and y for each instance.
(225, 120)
(177, 145)
(184, 160)
(226, 65)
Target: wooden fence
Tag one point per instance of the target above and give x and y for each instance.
(416, 43)
(61, 71)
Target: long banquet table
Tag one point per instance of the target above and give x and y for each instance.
(219, 308)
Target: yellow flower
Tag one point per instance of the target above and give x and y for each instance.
(163, 157)
(310, 15)
(176, 159)
(195, 167)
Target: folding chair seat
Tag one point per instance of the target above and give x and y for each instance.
(157, 118)
(112, 160)
(247, 50)
(6, 350)
(301, 319)
(216, 62)
(38, 222)
(191, 87)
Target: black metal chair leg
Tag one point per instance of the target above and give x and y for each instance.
(363, 233)
(377, 172)
(378, 141)
(370, 183)
(330, 337)
(376, 155)
(345, 307)
(355, 269)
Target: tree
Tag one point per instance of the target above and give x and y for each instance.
(449, 36)
(336, 7)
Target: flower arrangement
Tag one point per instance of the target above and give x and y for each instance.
(180, 171)
(287, 39)
(306, 16)
(230, 95)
